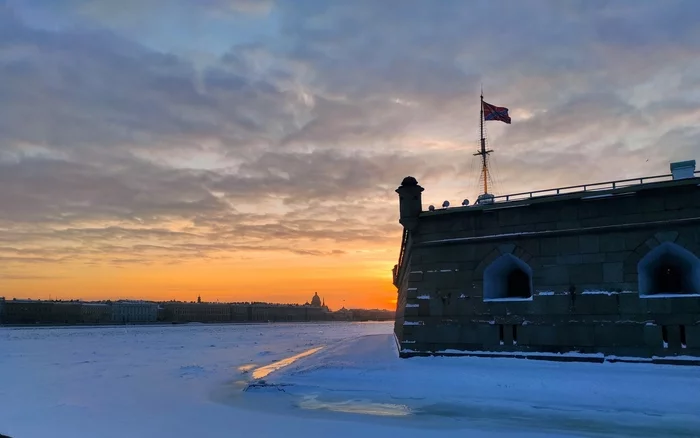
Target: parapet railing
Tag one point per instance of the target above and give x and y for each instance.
(608, 185)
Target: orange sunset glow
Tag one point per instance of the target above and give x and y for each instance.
(358, 275)
(350, 281)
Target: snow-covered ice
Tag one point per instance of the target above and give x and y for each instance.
(344, 378)
(503, 396)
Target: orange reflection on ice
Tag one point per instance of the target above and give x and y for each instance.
(264, 371)
(246, 368)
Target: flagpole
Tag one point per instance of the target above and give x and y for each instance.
(483, 152)
(484, 169)
(495, 113)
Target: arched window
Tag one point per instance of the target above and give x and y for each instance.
(669, 269)
(506, 278)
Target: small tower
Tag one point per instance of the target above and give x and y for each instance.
(410, 202)
(199, 299)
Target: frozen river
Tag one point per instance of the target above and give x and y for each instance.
(188, 380)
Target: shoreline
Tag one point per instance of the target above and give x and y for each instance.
(170, 324)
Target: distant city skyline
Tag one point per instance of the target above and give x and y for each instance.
(184, 301)
(197, 299)
(243, 149)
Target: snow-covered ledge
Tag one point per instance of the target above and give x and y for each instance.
(599, 292)
(507, 299)
(670, 296)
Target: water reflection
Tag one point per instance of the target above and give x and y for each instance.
(246, 368)
(356, 407)
(264, 371)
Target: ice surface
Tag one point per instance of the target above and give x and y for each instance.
(151, 381)
(543, 398)
(188, 380)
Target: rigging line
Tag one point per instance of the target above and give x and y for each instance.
(474, 177)
(495, 174)
(475, 171)
(486, 159)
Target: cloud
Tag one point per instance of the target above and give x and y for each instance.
(91, 92)
(224, 127)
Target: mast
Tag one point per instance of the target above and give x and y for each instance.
(483, 152)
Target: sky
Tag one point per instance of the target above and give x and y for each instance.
(249, 150)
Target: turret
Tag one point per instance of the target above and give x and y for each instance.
(410, 202)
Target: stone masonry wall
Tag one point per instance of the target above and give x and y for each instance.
(401, 304)
(583, 253)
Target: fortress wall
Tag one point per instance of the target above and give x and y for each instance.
(401, 304)
(641, 204)
(585, 283)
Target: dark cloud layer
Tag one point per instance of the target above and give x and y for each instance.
(117, 149)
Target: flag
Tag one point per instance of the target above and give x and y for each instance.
(492, 112)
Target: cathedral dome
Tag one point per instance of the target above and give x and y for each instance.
(316, 300)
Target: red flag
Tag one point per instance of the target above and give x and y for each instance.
(492, 112)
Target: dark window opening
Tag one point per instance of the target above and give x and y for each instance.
(683, 342)
(664, 335)
(500, 333)
(515, 334)
(668, 278)
(518, 285)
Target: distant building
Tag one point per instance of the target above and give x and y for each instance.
(134, 311)
(317, 313)
(121, 312)
(342, 314)
(68, 312)
(263, 313)
(95, 313)
(240, 312)
(372, 315)
(197, 312)
(28, 312)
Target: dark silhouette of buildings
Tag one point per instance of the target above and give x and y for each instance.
(26, 312)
